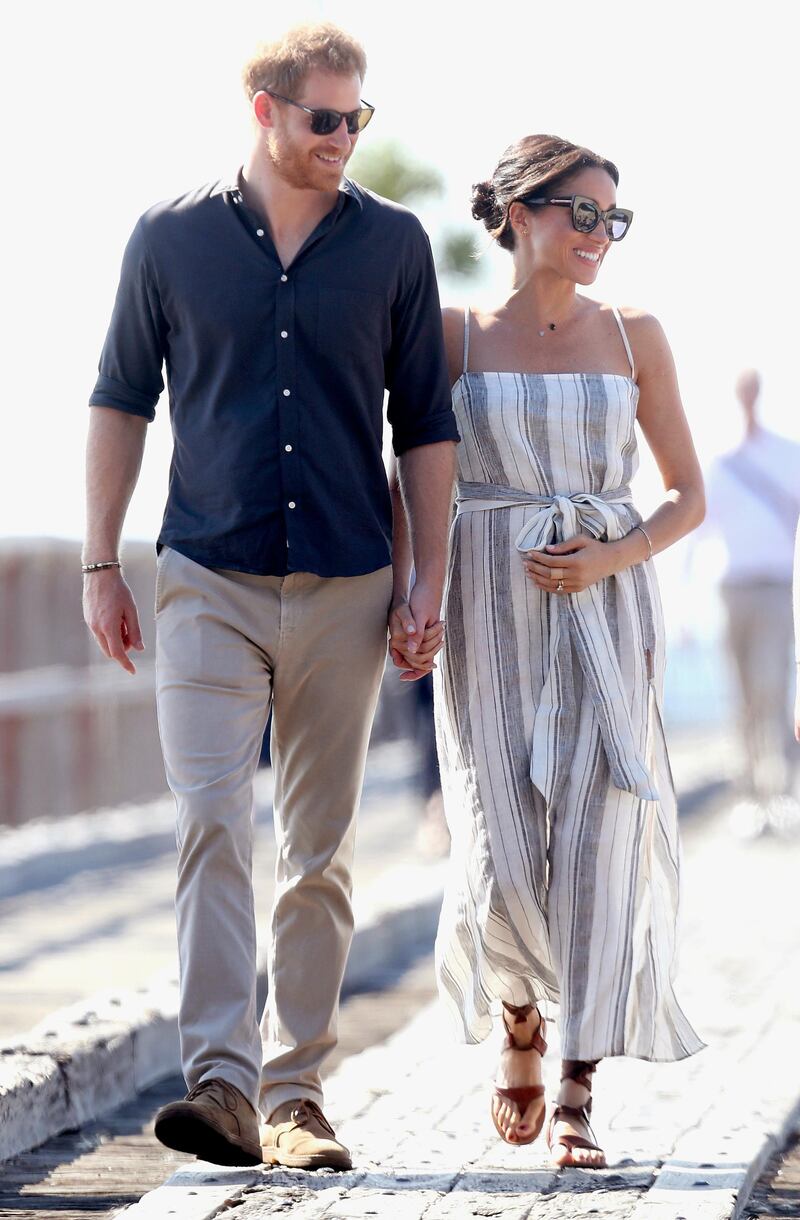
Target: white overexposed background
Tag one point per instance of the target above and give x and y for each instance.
(108, 108)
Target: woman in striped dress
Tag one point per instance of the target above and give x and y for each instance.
(555, 775)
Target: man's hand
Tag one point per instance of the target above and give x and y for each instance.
(578, 563)
(110, 614)
(420, 663)
(416, 632)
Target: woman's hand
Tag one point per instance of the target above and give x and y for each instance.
(576, 564)
(409, 652)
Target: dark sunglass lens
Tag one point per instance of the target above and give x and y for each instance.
(353, 122)
(323, 122)
(617, 225)
(584, 215)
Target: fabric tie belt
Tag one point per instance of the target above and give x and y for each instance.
(578, 620)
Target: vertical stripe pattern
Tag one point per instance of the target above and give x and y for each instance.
(557, 788)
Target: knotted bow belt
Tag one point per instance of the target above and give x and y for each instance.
(579, 628)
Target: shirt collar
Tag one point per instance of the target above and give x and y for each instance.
(231, 185)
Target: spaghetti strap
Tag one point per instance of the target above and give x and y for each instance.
(466, 338)
(627, 345)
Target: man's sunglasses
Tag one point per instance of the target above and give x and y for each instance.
(586, 215)
(324, 121)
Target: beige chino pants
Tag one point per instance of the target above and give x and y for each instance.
(760, 637)
(228, 646)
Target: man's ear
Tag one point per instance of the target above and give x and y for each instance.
(262, 108)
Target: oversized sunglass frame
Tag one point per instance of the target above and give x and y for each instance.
(324, 120)
(575, 202)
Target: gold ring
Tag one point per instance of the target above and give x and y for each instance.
(560, 587)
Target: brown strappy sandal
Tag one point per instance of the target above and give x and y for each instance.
(523, 1095)
(580, 1071)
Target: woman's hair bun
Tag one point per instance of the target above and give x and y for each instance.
(484, 203)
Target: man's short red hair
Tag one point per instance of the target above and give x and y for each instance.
(283, 65)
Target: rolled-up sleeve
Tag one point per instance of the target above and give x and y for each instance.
(420, 409)
(133, 354)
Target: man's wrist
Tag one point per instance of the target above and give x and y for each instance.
(430, 578)
(101, 565)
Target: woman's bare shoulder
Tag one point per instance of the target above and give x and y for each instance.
(639, 321)
(645, 332)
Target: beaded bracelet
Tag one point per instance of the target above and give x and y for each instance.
(98, 567)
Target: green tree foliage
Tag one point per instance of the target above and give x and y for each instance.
(388, 169)
(457, 253)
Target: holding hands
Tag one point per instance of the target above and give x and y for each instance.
(416, 634)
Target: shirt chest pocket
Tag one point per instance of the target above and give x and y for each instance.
(352, 326)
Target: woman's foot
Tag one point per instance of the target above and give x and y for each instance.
(569, 1133)
(518, 1099)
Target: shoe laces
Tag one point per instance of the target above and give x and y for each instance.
(219, 1091)
(306, 1110)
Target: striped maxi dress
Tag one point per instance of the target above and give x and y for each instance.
(563, 885)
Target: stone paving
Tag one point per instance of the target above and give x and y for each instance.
(683, 1140)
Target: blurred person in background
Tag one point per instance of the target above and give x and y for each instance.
(554, 766)
(796, 603)
(283, 300)
(753, 502)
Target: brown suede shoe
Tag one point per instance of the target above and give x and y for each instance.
(214, 1121)
(299, 1136)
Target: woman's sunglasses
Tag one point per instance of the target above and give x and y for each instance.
(324, 121)
(586, 215)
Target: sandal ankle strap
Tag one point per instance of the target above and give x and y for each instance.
(581, 1112)
(581, 1071)
(520, 1016)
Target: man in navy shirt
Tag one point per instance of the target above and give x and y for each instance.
(282, 302)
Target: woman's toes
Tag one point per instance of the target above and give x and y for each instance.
(583, 1158)
(530, 1119)
(506, 1119)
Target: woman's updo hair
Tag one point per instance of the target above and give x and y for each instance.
(535, 165)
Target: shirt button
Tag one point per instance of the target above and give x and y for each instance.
(284, 334)
(288, 448)
(284, 278)
(286, 393)
(292, 504)
(259, 232)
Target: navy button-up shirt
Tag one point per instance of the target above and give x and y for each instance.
(276, 375)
